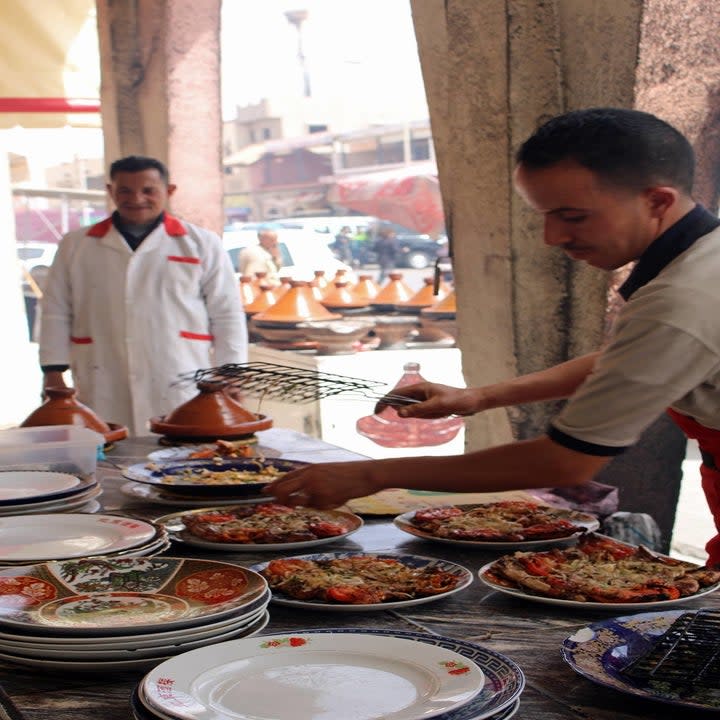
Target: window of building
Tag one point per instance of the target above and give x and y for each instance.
(317, 128)
(266, 133)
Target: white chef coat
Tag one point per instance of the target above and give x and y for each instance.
(128, 323)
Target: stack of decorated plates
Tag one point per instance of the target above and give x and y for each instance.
(343, 673)
(25, 492)
(108, 614)
(62, 536)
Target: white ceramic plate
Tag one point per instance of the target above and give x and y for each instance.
(298, 676)
(105, 666)
(516, 592)
(176, 529)
(19, 486)
(149, 493)
(61, 505)
(169, 647)
(34, 538)
(586, 524)
(242, 618)
(465, 577)
(504, 681)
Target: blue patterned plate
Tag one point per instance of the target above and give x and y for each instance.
(464, 576)
(600, 651)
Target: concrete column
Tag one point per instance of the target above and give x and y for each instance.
(160, 95)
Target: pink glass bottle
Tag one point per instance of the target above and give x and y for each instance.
(390, 430)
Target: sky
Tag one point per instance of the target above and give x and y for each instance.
(362, 50)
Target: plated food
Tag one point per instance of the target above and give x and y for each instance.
(222, 477)
(502, 524)
(600, 571)
(261, 526)
(361, 580)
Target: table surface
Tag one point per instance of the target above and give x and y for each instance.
(529, 633)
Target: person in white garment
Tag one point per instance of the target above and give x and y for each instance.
(138, 299)
(263, 257)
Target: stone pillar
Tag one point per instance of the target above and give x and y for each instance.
(160, 95)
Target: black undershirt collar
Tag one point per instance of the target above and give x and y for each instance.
(134, 241)
(667, 246)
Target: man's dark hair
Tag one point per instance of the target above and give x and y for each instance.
(627, 148)
(138, 163)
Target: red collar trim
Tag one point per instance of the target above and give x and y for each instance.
(173, 227)
(100, 229)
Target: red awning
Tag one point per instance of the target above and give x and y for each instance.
(409, 196)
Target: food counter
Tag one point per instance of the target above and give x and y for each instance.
(529, 633)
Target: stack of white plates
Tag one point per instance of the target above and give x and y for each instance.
(25, 492)
(345, 673)
(61, 536)
(109, 614)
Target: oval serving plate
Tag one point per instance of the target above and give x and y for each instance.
(184, 478)
(464, 577)
(173, 523)
(19, 487)
(123, 596)
(584, 522)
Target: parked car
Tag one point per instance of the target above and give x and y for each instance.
(302, 252)
(416, 250)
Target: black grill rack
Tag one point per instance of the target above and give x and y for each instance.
(686, 656)
(278, 382)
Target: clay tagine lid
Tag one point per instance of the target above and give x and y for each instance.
(366, 288)
(341, 296)
(297, 305)
(212, 413)
(320, 281)
(447, 307)
(248, 291)
(424, 297)
(394, 292)
(62, 408)
(265, 299)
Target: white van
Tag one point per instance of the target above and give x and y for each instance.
(303, 252)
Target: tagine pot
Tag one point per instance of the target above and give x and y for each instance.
(366, 288)
(297, 305)
(424, 297)
(62, 408)
(341, 297)
(211, 414)
(394, 292)
(388, 429)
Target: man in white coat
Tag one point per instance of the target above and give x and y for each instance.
(138, 299)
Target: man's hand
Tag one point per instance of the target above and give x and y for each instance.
(431, 400)
(315, 484)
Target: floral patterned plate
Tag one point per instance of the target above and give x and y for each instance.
(301, 675)
(118, 596)
(601, 650)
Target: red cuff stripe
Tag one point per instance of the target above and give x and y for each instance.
(184, 259)
(195, 336)
(81, 340)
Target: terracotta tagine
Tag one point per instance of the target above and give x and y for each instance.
(395, 330)
(390, 430)
(424, 297)
(62, 408)
(248, 292)
(265, 299)
(285, 285)
(366, 288)
(211, 414)
(445, 308)
(342, 298)
(337, 337)
(296, 305)
(320, 282)
(394, 292)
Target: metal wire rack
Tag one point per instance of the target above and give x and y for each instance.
(294, 385)
(687, 655)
